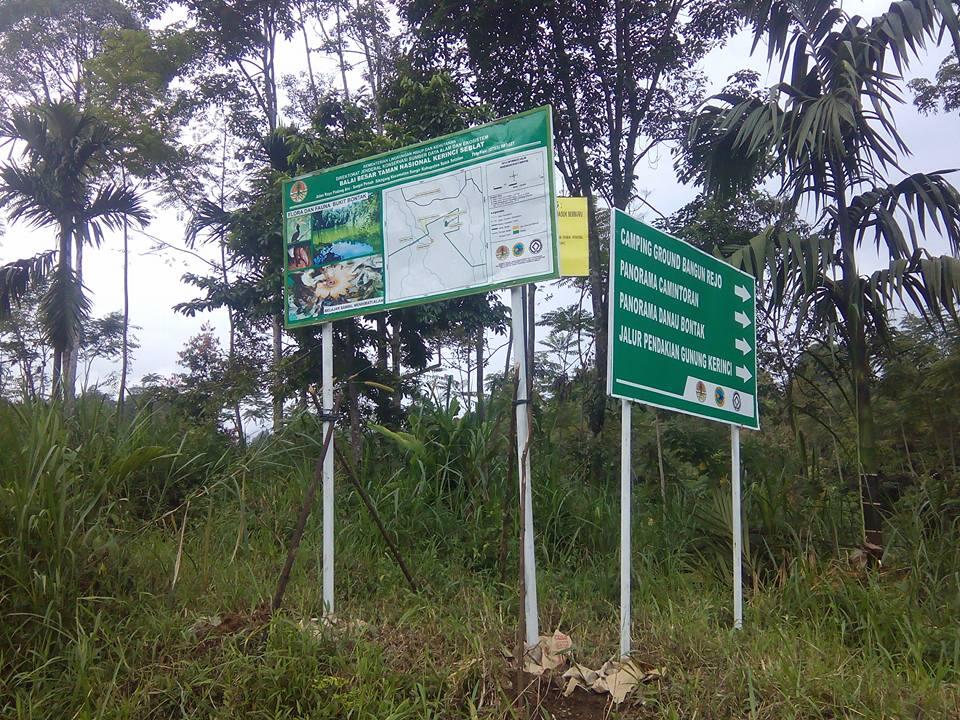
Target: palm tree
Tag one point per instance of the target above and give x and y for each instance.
(827, 129)
(63, 152)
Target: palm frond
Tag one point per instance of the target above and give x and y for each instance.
(908, 24)
(792, 263)
(930, 284)
(24, 123)
(17, 277)
(278, 148)
(27, 196)
(111, 204)
(775, 19)
(209, 219)
(796, 270)
(916, 200)
(830, 119)
(730, 142)
(902, 29)
(64, 308)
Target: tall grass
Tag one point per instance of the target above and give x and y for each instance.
(94, 509)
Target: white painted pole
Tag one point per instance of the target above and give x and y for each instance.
(326, 358)
(520, 335)
(625, 466)
(737, 529)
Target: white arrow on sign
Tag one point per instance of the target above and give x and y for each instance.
(742, 345)
(743, 373)
(741, 318)
(741, 292)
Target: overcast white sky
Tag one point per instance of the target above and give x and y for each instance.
(156, 277)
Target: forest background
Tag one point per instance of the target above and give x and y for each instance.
(159, 425)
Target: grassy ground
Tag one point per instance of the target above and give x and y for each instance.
(96, 524)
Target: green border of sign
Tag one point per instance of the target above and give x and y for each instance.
(746, 422)
(372, 309)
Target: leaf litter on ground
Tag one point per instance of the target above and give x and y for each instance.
(618, 678)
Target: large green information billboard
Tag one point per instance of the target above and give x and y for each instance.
(682, 327)
(466, 213)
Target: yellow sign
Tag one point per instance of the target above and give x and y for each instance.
(572, 232)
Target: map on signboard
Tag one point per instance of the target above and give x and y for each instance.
(434, 234)
(437, 233)
(467, 213)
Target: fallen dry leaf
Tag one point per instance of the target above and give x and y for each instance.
(323, 626)
(618, 678)
(547, 654)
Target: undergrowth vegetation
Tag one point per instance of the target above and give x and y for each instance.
(122, 539)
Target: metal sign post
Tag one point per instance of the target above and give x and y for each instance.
(625, 466)
(326, 359)
(520, 339)
(737, 529)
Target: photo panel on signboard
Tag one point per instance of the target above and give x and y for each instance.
(347, 229)
(300, 256)
(316, 292)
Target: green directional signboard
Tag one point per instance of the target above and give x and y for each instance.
(682, 329)
(466, 213)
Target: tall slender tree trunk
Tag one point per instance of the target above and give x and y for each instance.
(384, 402)
(663, 477)
(78, 267)
(125, 344)
(30, 385)
(382, 342)
(69, 376)
(272, 112)
(72, 355)
(231, 342)
(125, 341)
(3, 384)
(867, 444)
(361, 26)
(378, 60)
(225, 281)
(306, 47)
(341, 61)
(277, 356)
(353, 397)
(396, 363)
(598, 302)
(480, 366)
(57, 374)
(584, 179)
(869, 477)
(61, 360)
